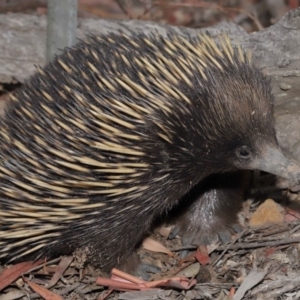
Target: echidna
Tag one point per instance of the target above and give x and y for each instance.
(117, 130)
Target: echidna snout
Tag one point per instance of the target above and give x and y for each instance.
(273, 161)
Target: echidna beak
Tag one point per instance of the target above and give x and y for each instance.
(275, 162)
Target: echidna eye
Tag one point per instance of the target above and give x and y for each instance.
(243, 152)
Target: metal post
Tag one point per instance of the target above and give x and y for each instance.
(61, 25)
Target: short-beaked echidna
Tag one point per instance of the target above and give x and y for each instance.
(117, 130)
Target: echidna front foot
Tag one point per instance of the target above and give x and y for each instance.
(212, 215)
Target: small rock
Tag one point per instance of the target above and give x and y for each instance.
(284, 86)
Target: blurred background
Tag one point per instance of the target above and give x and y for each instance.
(252, 15)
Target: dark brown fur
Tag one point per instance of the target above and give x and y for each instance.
(209, 212)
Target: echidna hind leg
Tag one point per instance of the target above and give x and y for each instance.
(214, 209)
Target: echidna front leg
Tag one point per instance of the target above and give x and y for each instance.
(213, 211)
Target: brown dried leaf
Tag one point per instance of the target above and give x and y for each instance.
(165, 231)
(61, 268)
(268, 212)
(117, 285)
(124, 282)
(43, 292)
(179, 282)
(154, 246)
(9, 275)
(202, 255)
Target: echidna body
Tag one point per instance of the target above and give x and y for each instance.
(117, 130)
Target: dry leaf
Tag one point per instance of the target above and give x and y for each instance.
(61, 268)
(202, 255)
(268, 212)
(125, 282)
(43, 292)
(9, 275)
(154, 246)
